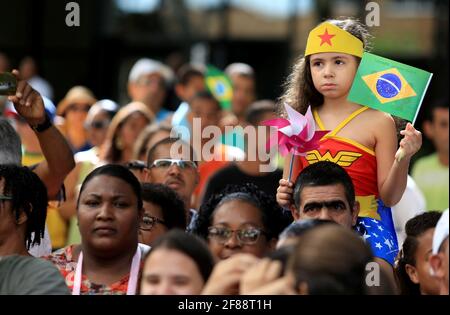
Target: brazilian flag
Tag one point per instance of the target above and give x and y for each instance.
(220, 86)
(389, 86)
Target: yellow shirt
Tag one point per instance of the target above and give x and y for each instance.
(57, 227)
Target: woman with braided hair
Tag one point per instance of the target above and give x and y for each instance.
(23, 209)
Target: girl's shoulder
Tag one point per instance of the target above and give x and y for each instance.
(377, 118)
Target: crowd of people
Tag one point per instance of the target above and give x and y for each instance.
(98, 197)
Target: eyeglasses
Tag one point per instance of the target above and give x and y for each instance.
(247, 236)
(148, 222)
(166, 163)
(135, 165)
(79, 107)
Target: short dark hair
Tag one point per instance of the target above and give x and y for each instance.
(257, 109)
(187, 72)
(324, 173)
(298, 228)
(414, 228)
(331, 259)
(168, 140)
(172, 206)
(191, 246)
(274, 218)
(28, 195)
(441, 103)
(205, 95)
(117, 171)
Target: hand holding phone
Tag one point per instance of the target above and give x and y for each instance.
(8, 84)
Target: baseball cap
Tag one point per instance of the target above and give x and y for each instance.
(239, 68)
(146, 66)
(440, 232)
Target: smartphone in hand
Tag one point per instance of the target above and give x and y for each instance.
(8, 84)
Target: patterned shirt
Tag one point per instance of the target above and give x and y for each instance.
(66, 264)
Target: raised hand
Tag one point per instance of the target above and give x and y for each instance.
(27, 101)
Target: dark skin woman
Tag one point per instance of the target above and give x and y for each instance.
(109, 210)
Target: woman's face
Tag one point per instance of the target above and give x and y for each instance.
(152, 225)
(108, 215)
(98, 128)
(131, 129)
(170, 272)
(76, 114)
(243, 218)
(421, 274)
(333, 73)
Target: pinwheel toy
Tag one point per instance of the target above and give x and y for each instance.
(296, 135)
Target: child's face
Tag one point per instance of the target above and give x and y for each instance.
(333, 73)
(420, 273)
(207, 110)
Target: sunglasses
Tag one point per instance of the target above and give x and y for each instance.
(247, 236)
(166, 163)
(99, 124)
(148, 222)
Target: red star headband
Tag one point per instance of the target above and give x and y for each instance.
(329, 38)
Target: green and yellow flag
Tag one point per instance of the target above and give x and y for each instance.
(220, 86)
(389, 86)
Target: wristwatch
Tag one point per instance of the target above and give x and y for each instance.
(43, 126)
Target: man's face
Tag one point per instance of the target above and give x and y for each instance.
(243, 93)
(182, 180)
(195, 85)
(148, 89)
(437, 130)
(207, 110)
(327, 203)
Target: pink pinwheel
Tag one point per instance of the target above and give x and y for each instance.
(297, 134)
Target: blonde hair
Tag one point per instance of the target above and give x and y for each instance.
(299, 90)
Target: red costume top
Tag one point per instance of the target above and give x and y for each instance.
(358, 160)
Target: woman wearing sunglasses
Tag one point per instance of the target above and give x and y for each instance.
(242, 219)
(163, 211)
(74, 109)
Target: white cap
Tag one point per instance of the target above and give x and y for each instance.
(440, 232)
(239, 68)
(146, 66)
